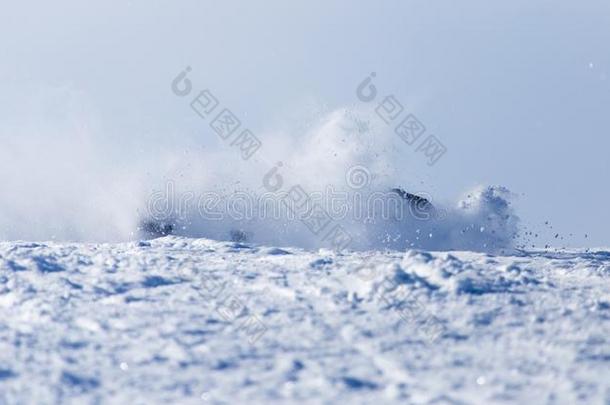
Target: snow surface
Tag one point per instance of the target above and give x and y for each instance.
(192, 321)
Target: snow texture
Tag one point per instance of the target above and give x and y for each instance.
(193, 321)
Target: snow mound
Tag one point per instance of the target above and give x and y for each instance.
(178, 320)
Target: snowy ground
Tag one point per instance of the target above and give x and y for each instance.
(194, 321)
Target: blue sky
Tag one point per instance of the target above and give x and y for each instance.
(519, 92)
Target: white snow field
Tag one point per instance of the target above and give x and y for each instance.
(193, 321)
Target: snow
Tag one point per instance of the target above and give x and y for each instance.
(192, 321)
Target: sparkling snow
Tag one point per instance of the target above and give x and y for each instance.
(192, 321)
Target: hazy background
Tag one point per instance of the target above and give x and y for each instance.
(518, 92)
